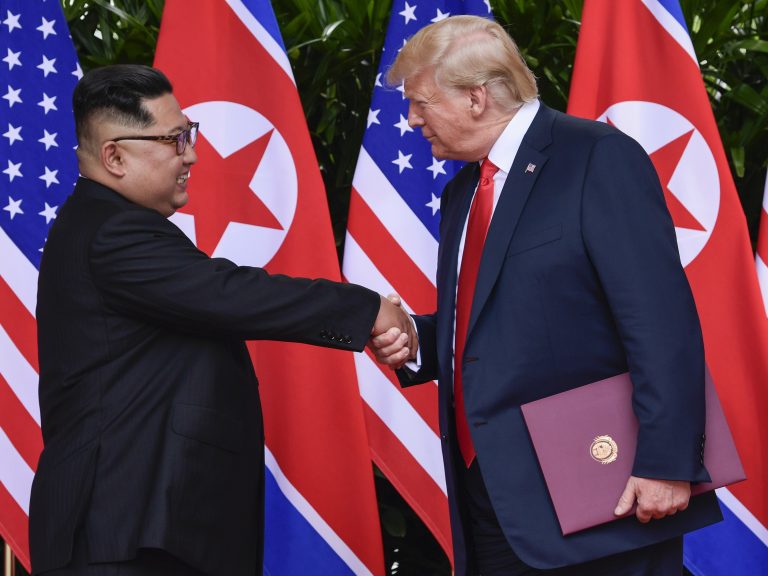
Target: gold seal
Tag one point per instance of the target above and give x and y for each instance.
(604, 449)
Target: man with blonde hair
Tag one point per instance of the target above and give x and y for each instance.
(558, 266)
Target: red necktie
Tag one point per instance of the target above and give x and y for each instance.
(477, 228)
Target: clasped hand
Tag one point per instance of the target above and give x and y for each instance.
(393, 339)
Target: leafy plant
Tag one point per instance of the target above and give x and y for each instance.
(114, 31)
(731, 43)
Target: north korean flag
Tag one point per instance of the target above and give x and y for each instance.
(257, 198)
(636, 68)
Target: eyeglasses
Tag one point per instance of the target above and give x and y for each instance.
(188, 136)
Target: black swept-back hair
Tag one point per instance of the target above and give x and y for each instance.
(117, 92)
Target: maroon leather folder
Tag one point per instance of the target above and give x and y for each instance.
(585, 441)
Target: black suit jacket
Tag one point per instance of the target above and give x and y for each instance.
(580, 279)
(149, 403)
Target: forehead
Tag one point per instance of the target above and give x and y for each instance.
(420, 83)
(166, 111)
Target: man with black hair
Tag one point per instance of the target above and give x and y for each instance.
(153, 460)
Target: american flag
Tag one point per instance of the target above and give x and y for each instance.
(39, 168)
(391, 246)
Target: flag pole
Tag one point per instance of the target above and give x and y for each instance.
(9, 566)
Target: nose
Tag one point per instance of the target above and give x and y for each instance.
(414, 120)
(189, 156)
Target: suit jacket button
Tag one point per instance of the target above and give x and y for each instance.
(324, 334)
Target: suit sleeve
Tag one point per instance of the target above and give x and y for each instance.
(630, 240)
(425, 326)
(146, 267)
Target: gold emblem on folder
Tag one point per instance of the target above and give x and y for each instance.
(604, 449)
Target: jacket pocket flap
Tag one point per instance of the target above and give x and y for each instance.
(534, 239)
(208, 426)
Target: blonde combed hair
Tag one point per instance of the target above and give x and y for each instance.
(468, 51)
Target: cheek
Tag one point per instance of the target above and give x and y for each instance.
(449, 129)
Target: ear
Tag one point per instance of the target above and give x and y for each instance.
(478, 98)
(112, 159)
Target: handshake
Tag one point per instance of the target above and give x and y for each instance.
(393, 339)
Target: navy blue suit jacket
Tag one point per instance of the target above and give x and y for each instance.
(580, 279)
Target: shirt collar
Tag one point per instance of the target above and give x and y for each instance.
(505, 149)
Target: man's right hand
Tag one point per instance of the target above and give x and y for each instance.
(393, 341)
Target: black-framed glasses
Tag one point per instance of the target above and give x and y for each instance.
(188, 136)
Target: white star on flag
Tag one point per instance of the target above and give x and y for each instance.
(401, 88)
(13, 134)
(12, 21)
(378, 80)
(47, 66)
(13, 170)
(440, 16)
(48, 139)
(49, 213)
(49, 177)
(408, 13)
(373, 117)
(46, 28)
(48, 103)
(488, 4)
(403, 161)
(12, 59)
(434, 204)
(14, 207)
(437, 167)
(403, 125)
(78, 72)
(12, 96)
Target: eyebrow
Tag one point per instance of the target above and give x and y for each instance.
(176, 129)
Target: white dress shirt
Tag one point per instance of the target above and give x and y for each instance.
(502, 154)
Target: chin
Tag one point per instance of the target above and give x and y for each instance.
(180, 202)
(444, 155)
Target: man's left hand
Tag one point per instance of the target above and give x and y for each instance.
(655, 498)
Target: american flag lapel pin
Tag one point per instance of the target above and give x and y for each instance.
(530, 168)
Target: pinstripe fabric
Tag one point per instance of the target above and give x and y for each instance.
(149, 402)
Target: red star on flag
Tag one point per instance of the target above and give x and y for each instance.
(665, 160)
(221, 192)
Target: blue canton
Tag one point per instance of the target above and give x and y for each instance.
(38, 166)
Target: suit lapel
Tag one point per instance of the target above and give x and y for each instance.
(528, 164)
(449, 255)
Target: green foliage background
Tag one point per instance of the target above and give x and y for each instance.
(334, 47)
